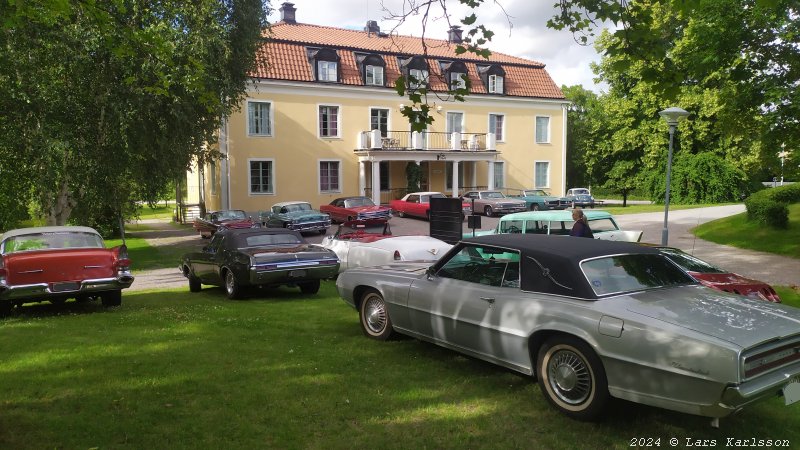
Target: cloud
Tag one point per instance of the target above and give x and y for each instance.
(567, 62)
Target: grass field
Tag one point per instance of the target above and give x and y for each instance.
(186, 371)
(737, 231)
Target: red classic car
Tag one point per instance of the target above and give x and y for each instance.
(418, 204)
(57, 263)
(225, 219)
(720, 279)
(345, 209)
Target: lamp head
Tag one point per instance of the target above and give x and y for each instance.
(673, 115)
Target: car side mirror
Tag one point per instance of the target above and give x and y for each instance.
(206, 249)
(430, 273)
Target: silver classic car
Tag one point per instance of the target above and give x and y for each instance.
(493, 202)
(590, 319)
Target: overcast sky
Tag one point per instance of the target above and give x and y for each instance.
(527, 36)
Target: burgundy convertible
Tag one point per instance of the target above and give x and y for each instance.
(220, 220)
(58, 263)
(345, 209)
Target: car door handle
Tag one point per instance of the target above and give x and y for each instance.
(489, 300)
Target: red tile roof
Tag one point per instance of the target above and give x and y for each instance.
(283, 57)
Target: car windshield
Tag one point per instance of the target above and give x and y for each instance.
(54, 240)
(580, 191)
(438, 196)
(606, 224)
(297, 207)
(536, 192)
(361, 201)
(627, 273)
(261, 240)
(690, 263)
(493, 194)
(234, 214)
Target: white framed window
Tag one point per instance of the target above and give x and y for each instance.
(330, 174)
(262, 176)
(499, 175)
(457, 80)
(541, 174)
(327, 71)
(374, 75)
(495, 84)
(542, 130)
(328, 119)
(455, 122)
(420, 78)
(259, 118)
(379, 120)
(497, 124)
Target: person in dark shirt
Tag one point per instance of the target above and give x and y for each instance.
(581, 226)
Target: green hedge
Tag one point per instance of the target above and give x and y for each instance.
(770, 206)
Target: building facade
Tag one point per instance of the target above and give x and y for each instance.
(322, 120)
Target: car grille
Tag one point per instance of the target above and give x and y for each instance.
(386, 214)
(771, 357)
(310, 225)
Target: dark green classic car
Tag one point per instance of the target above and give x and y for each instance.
(300, 216)
(237, 259)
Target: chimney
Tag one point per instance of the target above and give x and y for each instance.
(372, 27)
(287, 10)
(454, 35)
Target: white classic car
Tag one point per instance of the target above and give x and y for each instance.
(370, 242)
(602, 224)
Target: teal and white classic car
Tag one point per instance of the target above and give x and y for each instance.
(299, 216)
(602, 224)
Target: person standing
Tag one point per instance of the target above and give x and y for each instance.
(581, 226)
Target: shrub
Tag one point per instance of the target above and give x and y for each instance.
(770, 206)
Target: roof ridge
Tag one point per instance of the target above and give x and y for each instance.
(442, 42)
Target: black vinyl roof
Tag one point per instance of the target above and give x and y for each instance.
(551, 264)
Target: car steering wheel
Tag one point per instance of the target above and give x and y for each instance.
(471, 269)
(514, 229)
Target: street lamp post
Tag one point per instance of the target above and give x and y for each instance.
(672, 116)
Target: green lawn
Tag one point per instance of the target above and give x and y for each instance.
(634, 209)
(187, 371)
(738, 232)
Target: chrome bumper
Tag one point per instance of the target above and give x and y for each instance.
(298, 274)
(64, 289)
(309, 226)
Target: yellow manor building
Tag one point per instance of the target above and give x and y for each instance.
(322, 120)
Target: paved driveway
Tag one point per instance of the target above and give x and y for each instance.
(767, 267)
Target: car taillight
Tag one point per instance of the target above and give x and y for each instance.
(771, 359)
(3, 271)
(397, 256)
(123, 261)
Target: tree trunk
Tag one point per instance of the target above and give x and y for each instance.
(62, 205)
(624, 198)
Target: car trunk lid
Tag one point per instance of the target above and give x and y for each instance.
(56, 266)
(729, 317)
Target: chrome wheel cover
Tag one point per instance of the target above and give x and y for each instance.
(375, 318)
(569, 377)
(229, 282)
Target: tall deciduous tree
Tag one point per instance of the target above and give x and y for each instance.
(106, 102)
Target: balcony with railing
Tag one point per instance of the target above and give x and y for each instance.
(426, 140)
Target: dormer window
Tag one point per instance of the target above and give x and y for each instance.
(495, 84)
(416, 71)
(493, 77)
(420, 78)
(456, 73)
(373, 75)
(325, 62)
(327, 71)
(372, 68)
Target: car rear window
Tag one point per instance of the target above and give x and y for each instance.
(259, 240)
(54, 240)
(627, 273)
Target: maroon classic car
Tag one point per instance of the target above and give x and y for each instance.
(225, 219)
(58, 263)
(345, 209)
(720, 279)
(418, 204)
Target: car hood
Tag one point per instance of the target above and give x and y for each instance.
(729, 317)
(375, 208)
(236, 223)
(503, 200)
(732, 282)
